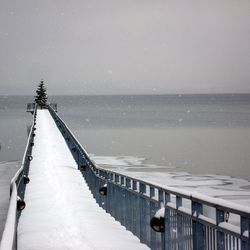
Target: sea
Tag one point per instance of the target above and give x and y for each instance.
(193, 142)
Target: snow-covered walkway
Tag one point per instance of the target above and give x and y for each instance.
(60, 211)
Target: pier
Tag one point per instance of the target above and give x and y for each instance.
(60, 209)
(60, 199)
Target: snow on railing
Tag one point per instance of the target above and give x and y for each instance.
(17, 189)
(163, 218)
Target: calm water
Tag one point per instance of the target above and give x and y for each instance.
(201, 134)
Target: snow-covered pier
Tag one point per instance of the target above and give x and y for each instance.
(60, 211)
(70, 203)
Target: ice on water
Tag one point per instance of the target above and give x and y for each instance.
(218, 186)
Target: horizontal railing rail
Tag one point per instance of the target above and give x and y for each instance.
(163, 218)
(31, 107)
(17, 189)
(53, 106)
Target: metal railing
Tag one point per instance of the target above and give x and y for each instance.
(17, 189)
(31, 107)
(162, 218)
(53, 106)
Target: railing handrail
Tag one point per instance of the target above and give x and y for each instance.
(169, 200)
(8, 236)
(199, 198)
(8, 241)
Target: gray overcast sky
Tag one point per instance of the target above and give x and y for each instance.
(125, 47)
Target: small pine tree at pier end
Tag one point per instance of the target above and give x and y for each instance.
(41, 95)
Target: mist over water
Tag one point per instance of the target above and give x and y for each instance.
(201, 134)
(13, 126)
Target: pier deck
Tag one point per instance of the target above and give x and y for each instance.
(60, 210)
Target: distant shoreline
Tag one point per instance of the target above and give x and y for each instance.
(169, 94)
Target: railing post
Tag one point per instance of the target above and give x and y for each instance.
(128, 202)
(180, 236)
(153, 209)
(220, 217)
(162, 204)
(197, 227)
(167, 223)
(142, 204)
(109, 196)
(123, 201)
(245, 230)
(136, 212)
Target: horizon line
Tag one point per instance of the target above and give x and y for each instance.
(146, 94)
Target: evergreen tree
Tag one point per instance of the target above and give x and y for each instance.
(41, 95)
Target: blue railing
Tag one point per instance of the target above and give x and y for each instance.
(162, 218)
(17, 190)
